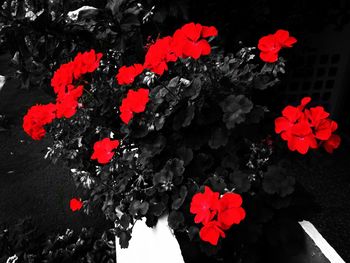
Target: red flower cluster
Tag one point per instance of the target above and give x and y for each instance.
(75, 204)
(83, 63)
(126, 75)
(216, 214)
(135, 102)
(188, 41)
(67, 103)
(36, 118)
(67, 94)
(103, 150)
(271, 44)
(307, 128)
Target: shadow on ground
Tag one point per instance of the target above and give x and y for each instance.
(29, 184)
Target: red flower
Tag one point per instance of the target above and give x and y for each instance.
(63, 77)
(204, 205)
(332, 143)
(284, 39)
(316, 114)
(75, 204)
(160, 53)
(271, 44)
(103, 150)
(36, 118)
(301, 138)
(302, 128)
(67, 103)
(209, 31)
(126, 75)
(230, 210)
(189, 38)
(86, 62)
(290, 116)
(211, 232)
(216, 214)
(135, 102)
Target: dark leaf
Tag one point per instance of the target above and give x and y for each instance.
(218, 138)
(176, 219)
(179, 198)
(235, 108)
(240, 181)
(185, 154)
(277, 181)
(124, 238)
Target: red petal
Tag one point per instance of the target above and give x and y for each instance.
(332, 143)
(282, 124)
(292, 113)
(289, 42)
(269, 57)
(210, 31)
(204, 45)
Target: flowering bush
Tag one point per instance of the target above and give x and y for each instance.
(174, 136)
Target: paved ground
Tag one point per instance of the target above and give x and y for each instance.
(31, 186)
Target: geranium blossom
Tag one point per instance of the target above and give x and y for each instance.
(186, 42)
(211, 232)
(67, 103)
(204, 206)
(86, 62)
(135, 102)
(332, 143)
(160, 53)
(230, 210)
(189, 39)
(216, 214)
(63, 77)
(103, 150)
(301, 128)
(126, 75)
(271, 44)
(75, 204)
(36, 118)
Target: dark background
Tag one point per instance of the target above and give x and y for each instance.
(31, 186)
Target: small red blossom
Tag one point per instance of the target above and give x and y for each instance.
(230, 210)
(75, 204)
(126, 75)
(301, 138)
(86, 62)
(301, 128)
(103, 150)
(271, 44)
(135, 102)
(332, 143)
(204, 205)
(63, 77)
(36, 118)
(209, 31)
(188, 38)
(160, 53)
(216, 214)
(211, 232)
(67, 103)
